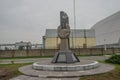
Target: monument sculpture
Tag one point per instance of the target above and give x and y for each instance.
(64, 59)
(59, 67)
(64, 55)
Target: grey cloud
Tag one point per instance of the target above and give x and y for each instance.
(27, 19)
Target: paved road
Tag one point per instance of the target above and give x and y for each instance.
(23, 77)
(28, 60)
(9, 61)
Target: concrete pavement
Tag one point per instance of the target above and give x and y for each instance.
(29, 60)
(23, 77)
(43, 75)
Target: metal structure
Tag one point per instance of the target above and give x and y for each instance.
(17, 45)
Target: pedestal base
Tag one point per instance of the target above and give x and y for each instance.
(78, 66)
(65, 57)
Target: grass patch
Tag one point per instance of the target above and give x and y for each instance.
(10, 70)
(112, 75)
(115, 59)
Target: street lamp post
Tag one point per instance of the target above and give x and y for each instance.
(74, 11)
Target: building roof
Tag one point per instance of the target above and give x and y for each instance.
(108, 30)
(78, 33)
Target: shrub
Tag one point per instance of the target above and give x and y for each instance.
(115, 59)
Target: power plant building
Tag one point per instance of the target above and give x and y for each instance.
(108, 31)
(79, 38)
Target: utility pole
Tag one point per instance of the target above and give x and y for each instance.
(74, 11)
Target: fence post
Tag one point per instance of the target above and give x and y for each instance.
(0, 52)
(90, 51)
(113, 50)
(79, 51)
(27, 52)
(13, 53)
(102, 51)
(40, 52)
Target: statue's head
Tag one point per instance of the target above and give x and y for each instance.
(63, 19)
(63, 29)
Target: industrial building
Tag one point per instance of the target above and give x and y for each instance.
(79, 38)
(20, 46)
(108, 31)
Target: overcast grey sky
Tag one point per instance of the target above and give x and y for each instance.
(27, 20)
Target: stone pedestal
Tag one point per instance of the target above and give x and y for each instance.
(65, 57)
(64, 45)
(79, 66)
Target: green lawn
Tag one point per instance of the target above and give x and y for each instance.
(8, 71)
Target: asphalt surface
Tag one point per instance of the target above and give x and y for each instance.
(29, 60)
